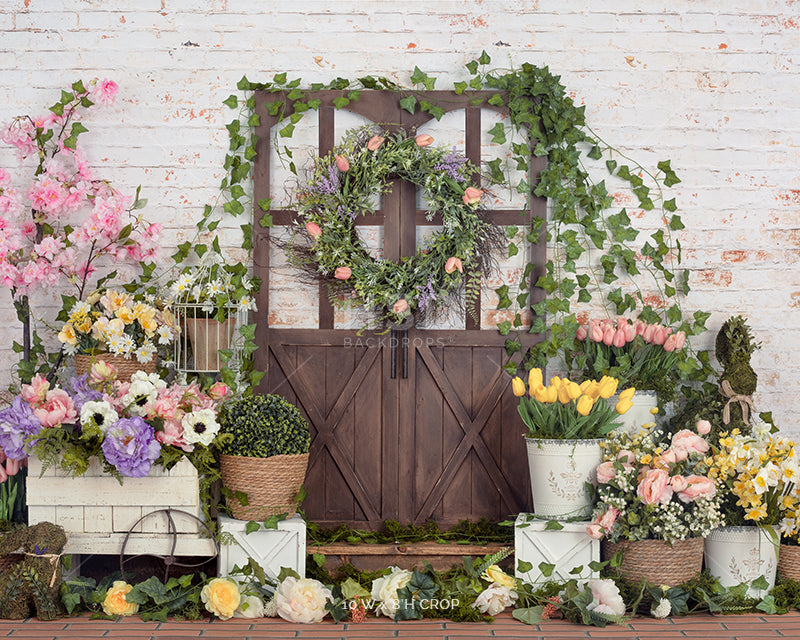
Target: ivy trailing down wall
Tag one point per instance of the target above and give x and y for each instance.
(596, 254)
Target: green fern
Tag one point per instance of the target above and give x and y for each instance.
(495, 558)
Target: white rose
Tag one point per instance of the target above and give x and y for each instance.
(385, 590)
(302, 600)
(494, 599)
(606, 598)
(250, 607)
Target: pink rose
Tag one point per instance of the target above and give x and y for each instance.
(218, 391)
(56, 410)
(608, 519)
(685, 443)
(698, 486)
(342, 164)
(313, 230)
(374, 143)
(423, 140)
(401, 306)
(678, 483)
(594, 531)
(703, 427)
(35, 392)
(581, 333)
(655, 487)
(472, 195)
(671, 457)
(453, 264)
(172, 435)
(343, 273)
(626, 456)
(105, 91)
(605, 472)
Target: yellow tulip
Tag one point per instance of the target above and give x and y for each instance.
(592, 389)
(585, 404)
(573, 389)
(518, 386)
(585, 385)
(627, 394)
(535, 378)
(552, 393)
(563, 394)
(540, 393)
(608, 387)
(622, 406)
(555, 381)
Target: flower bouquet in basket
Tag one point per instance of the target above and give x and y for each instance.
(640, 355)
(655, 503)
(129, 425)
(756, 475)
(115, 323)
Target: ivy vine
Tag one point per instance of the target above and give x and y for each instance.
(596, 254)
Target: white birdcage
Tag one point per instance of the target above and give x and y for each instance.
(211, 302)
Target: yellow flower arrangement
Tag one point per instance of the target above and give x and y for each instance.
(565, 410)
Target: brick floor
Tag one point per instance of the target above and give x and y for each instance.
(732, 627)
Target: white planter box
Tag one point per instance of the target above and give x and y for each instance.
(270, 548)
(566, 548)
(97, 512)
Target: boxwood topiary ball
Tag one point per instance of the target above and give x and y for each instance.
(263, 426)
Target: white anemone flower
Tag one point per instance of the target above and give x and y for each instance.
(98, 414)
(200, 427)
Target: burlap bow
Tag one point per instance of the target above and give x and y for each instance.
(745, 402)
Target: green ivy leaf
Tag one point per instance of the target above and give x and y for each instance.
(409, 103)
(459, 87)
(279, 78)
(498, 132)
(484, 58)
(513, 249)
(472, 66)
(546, 569)
(231, 102)
(251, 527)
(553, 525)
(341, 102)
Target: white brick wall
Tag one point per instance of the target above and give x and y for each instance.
(711, 85)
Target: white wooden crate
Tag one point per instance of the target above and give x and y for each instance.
(566, 548)
(270, 548)
(97, 511)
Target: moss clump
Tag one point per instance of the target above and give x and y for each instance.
(263, 426)
(787, 595)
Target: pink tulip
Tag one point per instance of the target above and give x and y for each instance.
(648, 333)
(660, 335)
(343, 273)
(3, 474)
(608, 336)
(596, 332)
(313, 230)
(680, 340)
(13, 466)
(630, 331)
(401, 306)
(472, 195)
(703, 427)
(342, 164)
(423, 140)
(619, 338)
(452, 264)
(375, 142)
(580, 333)
(640, 327)
(2, 456)
(669, 343)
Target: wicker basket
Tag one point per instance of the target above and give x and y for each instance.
(789, 562)
(271, 484)
(656, 561)
(126, 367)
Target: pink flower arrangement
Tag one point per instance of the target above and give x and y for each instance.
(640, 355)
(650, 489)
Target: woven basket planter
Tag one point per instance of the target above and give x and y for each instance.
(125, 366)
(271, 484)
(789, 562)
(656, 561)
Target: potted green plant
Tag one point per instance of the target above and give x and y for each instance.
(566, 423)
(266, 458)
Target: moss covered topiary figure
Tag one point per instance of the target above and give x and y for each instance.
(34, 582)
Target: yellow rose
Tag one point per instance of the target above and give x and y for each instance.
(585, 404)
(627, 394)
(535, 378)
(221, 597)
(67, 334)
(115, 603)
(125, 314)
(497, 575)
(518, 386)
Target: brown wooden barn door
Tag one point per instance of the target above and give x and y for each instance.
(410, 425)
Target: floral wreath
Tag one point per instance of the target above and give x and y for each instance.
(342, 186)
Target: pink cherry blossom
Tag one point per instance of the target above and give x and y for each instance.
(105, 91)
